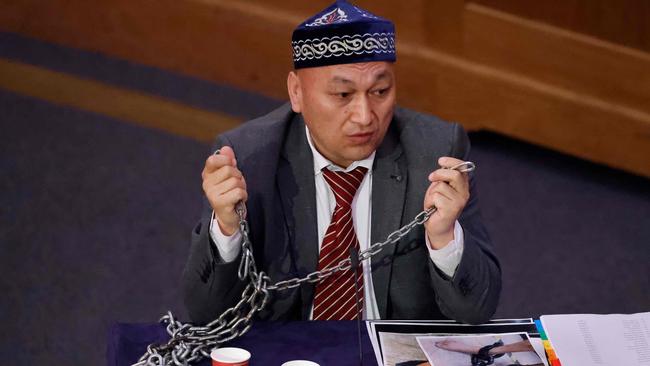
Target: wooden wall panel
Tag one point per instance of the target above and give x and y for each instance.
(203, 39)
(494, 101)
(584, 65)
(625, 22)
(463, 61)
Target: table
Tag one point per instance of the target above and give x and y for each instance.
(270, 343)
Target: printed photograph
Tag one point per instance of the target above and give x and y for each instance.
(498, 350)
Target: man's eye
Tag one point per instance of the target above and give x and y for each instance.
(380, 92)
(343, 95)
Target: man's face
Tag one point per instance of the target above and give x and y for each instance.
(347, 108)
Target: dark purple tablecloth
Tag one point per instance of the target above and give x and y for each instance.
(271, 344)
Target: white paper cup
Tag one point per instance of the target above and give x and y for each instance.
(300, 363)
(230, 356)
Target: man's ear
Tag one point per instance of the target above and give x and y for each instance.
(295, 92)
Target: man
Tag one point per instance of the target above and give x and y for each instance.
(342, 167)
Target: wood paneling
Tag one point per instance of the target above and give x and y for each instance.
(625, 22)
(529, 110)
(214, 40)
(581, 64)
(463, 61)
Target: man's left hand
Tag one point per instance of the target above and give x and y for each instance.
(449, 193)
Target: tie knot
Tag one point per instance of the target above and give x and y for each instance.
(344, 184)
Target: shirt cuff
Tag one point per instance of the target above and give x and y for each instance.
(448, 257)
(227, 246)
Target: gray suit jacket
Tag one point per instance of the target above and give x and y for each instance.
(274, 156)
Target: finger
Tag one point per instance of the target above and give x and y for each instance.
(440, 202)
(445, 175)
(224, 203)
(436, 199)
(448, 162)
(447, 191)
(229, 184)
(225, 209)
(229, 152)
(223, 173)
(459, 181)
(227, 172)
(215, 162)
(233, 196)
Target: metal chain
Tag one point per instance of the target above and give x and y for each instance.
(191, 343)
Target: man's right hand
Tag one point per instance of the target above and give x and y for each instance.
(224, 186)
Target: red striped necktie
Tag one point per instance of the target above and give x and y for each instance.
(334, 298)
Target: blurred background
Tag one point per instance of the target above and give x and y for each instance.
(108, 108)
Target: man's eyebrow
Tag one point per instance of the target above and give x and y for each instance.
(342, 80)
(382, 76)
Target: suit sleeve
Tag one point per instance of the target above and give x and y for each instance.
(472, 294)
(210, 284)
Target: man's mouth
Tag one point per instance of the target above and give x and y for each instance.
(360, 138)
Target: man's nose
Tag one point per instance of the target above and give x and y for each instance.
(361, 111)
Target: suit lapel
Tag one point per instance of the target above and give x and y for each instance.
(298, 196)
(389, 178)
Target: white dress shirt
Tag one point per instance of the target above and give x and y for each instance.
(446, 259)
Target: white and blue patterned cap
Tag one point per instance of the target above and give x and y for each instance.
(343, 34)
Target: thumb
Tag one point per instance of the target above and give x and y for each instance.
(229, 152)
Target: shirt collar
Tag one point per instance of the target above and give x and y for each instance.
(321, 162)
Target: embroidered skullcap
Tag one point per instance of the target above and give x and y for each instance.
(343, 34)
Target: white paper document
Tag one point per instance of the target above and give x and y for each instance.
(600, 340)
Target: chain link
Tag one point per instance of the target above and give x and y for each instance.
(190, 343)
